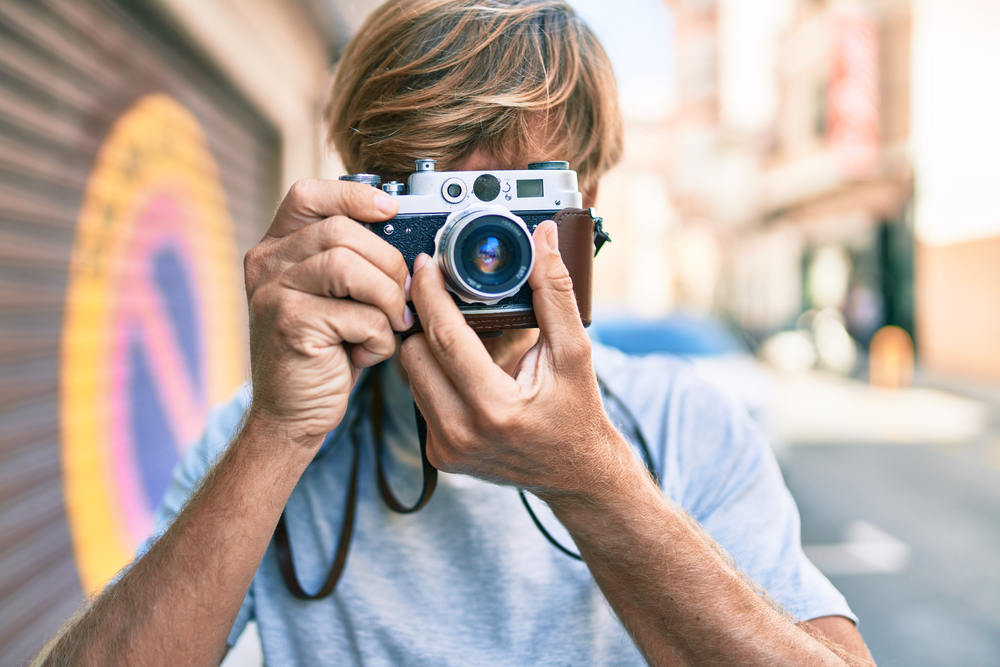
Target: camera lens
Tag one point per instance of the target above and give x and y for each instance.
(492, 255)
(489, 254)
(485, 252)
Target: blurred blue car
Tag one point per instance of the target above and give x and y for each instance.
(716, 353)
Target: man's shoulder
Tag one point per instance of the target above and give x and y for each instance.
(664, 370)
(654, 383)
(689, 421)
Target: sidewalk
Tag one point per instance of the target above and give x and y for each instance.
(823, 408)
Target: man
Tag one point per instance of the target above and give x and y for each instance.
(477, 84)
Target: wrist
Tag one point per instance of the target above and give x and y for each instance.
(288, 444)
(613, 476)
(295, 437)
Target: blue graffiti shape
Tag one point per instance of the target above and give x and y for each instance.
(152, 437)
(172, 281)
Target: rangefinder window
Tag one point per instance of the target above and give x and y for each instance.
(532, 188)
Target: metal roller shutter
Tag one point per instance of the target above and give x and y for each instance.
(132, 179)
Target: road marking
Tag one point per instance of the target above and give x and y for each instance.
(865, 550)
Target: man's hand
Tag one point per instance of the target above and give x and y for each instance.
(543, 429)
(325, 295)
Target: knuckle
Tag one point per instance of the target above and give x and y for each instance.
(377, 324)
(288, 316)
(332, 230)
(301, 190)
(365, 325)
(261, 303)
(444, 335)
(394, 299)
(560, 279)
(336, 263)
(338, 256)
(252, 267)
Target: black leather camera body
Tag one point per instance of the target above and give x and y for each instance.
(477, 225)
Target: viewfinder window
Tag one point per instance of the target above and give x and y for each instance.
(532, 188)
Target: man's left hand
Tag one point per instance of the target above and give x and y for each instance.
(543, 429)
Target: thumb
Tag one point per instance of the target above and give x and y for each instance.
(553, 298)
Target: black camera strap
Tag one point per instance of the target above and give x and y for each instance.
(371, 389)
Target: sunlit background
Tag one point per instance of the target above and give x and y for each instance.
(808, 210)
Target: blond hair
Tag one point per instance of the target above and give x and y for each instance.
(445, 78)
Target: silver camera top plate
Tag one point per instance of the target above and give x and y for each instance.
(517, 190)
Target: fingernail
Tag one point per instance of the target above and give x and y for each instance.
(553, 237)
(407, 317)
(419, 262)
(409, 281)
(385, 203)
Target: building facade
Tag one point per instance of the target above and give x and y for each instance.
(143, 148)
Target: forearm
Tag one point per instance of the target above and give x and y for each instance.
(177, 604)
(680, 598)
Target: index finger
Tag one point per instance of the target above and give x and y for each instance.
(455, 345)
(311, 200)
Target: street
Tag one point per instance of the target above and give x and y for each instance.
(943, 605)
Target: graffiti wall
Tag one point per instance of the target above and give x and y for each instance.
(150, 329)
(132, 179)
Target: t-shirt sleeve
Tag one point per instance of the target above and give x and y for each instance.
(220, 427)
(714, 461)
(731, 484)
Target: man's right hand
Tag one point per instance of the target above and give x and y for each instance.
(325, 295)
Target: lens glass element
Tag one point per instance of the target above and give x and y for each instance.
(491, 255)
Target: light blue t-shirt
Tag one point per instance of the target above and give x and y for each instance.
(469, 580)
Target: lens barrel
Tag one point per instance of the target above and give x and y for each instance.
(485, 252)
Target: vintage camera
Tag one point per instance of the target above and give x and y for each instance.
(477, 226)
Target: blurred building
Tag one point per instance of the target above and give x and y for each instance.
(143, 148)
(835, 156)
(834, 225)
(956, 150)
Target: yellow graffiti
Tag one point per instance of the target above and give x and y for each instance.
(156, 147)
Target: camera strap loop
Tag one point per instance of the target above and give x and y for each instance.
(340, 559)
(600, 236)
(429, 471)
